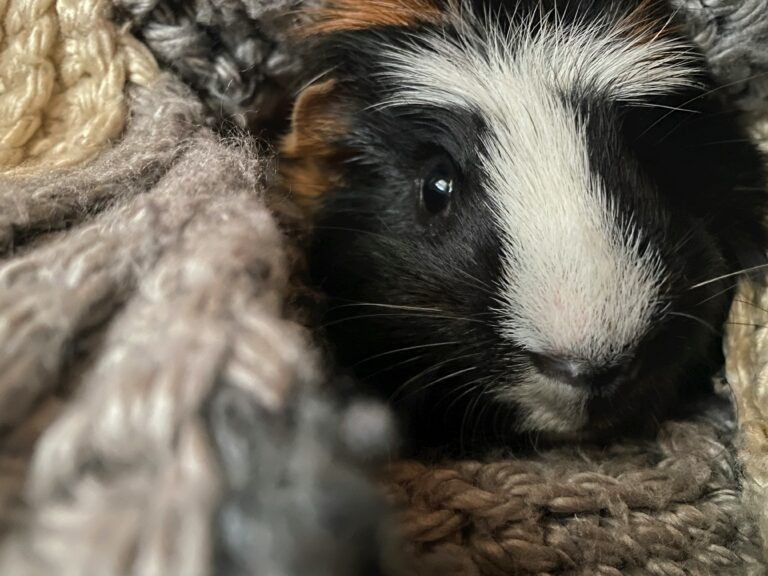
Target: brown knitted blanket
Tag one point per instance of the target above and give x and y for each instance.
(163, 411)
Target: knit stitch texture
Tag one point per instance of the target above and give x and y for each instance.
(64, 67)
(232, 52)
(160, 311)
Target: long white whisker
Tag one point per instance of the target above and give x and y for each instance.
(393, 366)
(724, 276)
(452, 375)
(716, 294)
(393, 306)
(704, 95)
(432, 368)
(465, 390)
(407, 349)
(364, 316)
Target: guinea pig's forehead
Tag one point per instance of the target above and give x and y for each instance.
(474, 63)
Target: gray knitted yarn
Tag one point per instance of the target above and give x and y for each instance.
(232, 52)
(734, 37)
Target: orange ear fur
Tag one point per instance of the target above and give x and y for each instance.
(307, 153)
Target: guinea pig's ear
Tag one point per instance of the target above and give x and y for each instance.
(310, 152)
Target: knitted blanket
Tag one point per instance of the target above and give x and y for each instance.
(164, 410)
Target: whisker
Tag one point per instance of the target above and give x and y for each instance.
(432, 368)
(471, 318)
(747, 324)
(724, 276)
(407, 349)
(465, 389)
(665, 107)
(314, 79)
(447, 377)
(716, 294)
(721, 142)
(750, 304)
(393, 366)
(484, 408)
(392, 306)
(699, 97)
(480, 284)
(687, 237)
(365, 316)
(507, 420)
(474, 415)
(468, 417)
(360, 231)
(697, 319)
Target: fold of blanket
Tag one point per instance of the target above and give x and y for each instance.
(183, 392)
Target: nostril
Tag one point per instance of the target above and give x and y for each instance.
(558, 368)
(574, 372)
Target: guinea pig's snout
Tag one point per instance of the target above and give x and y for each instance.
(576, 373)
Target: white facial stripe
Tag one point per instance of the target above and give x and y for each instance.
(575, 280)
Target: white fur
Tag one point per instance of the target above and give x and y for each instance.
(547, 405)
(601, 56)
(575, 281)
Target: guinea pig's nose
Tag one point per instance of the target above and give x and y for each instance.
(573, 372)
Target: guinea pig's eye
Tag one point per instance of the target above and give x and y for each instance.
(438, 186)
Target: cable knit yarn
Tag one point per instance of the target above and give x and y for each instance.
(64, 67)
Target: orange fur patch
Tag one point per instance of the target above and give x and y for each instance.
(308, 157)
(345, 15)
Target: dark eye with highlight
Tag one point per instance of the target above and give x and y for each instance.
(438, 186)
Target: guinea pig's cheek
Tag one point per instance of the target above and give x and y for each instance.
(545, 404)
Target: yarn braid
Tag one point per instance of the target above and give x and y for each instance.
(63, 71)
(664, 508)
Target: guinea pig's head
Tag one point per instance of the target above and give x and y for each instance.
(529, 217)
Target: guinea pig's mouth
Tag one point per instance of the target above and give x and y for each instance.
(560, 400)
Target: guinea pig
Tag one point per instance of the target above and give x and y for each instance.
(528, 216)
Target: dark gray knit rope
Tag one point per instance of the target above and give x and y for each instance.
(232, 52)
(734, 37)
